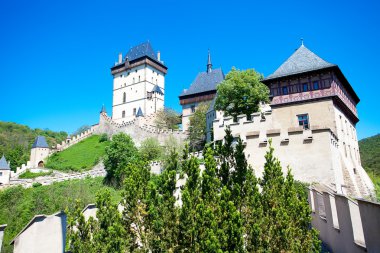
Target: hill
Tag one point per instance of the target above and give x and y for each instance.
(81, 156)
(16, 141)
(19, 205)
(370, 157)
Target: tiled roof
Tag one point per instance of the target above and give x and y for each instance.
(205, 81)
(302, 60)
(4, 164)
(144, 49)
(40, 142)
(157, 89)
(139, 113)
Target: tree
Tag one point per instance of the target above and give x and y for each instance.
(167, 118)
(121, 152)
(81, 129)
(151, 149)
(197, 127)
(286, 212)
(241, 93)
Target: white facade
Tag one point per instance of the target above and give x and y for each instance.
(38, 155)
(132, 89)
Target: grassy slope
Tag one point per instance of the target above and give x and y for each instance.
(370, 156)
(16, 141)
(81, 156)
(31, 175)
(18, 205)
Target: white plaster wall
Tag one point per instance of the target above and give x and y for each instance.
(47, 235)
(5, 177)
(37, 155)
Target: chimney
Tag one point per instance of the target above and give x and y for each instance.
(158, 55)
(120, 57)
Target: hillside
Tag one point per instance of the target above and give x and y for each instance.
(370, 157)
(18, 205)
(81, 156)
(16, 141)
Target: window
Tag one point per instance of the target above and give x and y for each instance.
(285, 90)
(139, 78)
(133, 80)
(123, 114)
(305, 87)
(149, 95)
(303, 120)
(193, 108)
(315, 85)
(134, 111)
(124, 97)
(1, 174)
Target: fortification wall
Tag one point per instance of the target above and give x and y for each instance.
(313, 154)
(345, 225)
(137, 129)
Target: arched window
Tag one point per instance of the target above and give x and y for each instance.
(123, 114)
(133, 80)
(139, 78)
(124, 97)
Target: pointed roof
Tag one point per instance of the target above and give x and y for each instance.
(139, 113)
(144, 49)
(302, 60)
(40, 142)
(209, 64)
(4, 164)
(205, 81)
(103, 109)
(157, 89)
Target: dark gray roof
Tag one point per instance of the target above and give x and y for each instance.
(40, 142)
(212, 104)
(144, 49)
(4, 164)
(139, 113)
(205, 81)
(302, 60)
(157, 89)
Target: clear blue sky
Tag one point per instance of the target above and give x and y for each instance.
(55, 56)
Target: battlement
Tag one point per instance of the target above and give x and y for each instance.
(345, 225)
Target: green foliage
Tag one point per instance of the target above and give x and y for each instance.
(118, 155)
(32, 175)
(16, 141)
(19, 205)
(150, 149)
(241, 93)
(81, 130)
(81, 156)
(103, 138)
(370, 158)
(167, 119)
(197, 127)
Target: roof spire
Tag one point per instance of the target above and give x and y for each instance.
(103, 109)
(301, 41)
(209, 64)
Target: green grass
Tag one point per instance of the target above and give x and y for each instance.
(81, 156)
(31, 175)
(19, 205)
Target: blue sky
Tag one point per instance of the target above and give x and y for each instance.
(55, 56)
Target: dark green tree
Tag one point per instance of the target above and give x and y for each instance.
(241, 93)
(120, 153)
(197, 127)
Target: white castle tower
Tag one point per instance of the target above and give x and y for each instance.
(39, 152)
(138, 83)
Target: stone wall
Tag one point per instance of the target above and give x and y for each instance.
(345, 225)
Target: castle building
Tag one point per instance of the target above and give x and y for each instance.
(39, 152)
(203, 89)
(138, 83)
(311, 121)
(5, 171)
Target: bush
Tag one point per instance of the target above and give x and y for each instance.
(103, 138)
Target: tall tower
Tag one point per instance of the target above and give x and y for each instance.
(138, 83)
(39, 152)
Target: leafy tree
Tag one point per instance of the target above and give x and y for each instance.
(151, 149)
(197, 127)
(241, 93)
(120, 153)
(167, 118)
